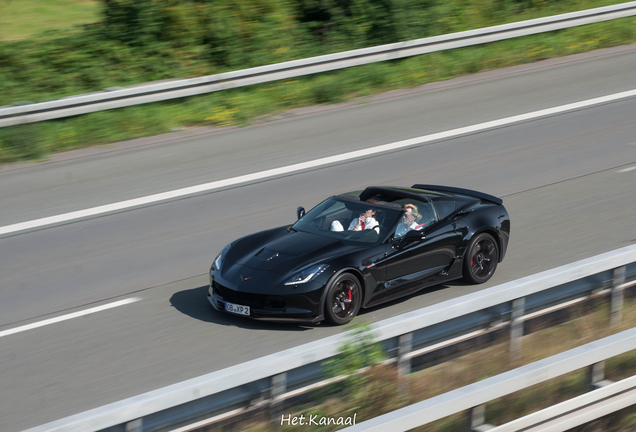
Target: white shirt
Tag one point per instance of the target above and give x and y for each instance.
(369, 223)
(403, 229)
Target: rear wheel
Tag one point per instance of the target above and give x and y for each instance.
(480, 259)
(343, 299)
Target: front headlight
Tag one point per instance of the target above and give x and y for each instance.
(307, 274)
(219, 259)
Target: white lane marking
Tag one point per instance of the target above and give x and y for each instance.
(68, 316)
(206, 187)
(627, 169)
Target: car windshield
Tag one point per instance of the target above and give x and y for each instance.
(349, 220)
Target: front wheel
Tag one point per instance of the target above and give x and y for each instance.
(480, 260)
(343, 299)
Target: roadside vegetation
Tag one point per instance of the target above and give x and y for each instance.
(20, 19)
(378, 391)
(138, 41)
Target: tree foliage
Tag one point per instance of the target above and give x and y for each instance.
(361, 23)
(223, 33)
(147, 40)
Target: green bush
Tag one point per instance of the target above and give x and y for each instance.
(146, 40)
(357, 352)
(21, 142)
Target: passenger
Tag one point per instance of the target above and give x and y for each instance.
(409, 220)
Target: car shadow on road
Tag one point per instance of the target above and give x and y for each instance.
(424, 291)
(195, 304)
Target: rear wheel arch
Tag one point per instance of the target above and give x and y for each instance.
(483, 270)
(494, 234)
(488, 230)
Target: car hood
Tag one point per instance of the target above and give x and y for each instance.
(294, 251)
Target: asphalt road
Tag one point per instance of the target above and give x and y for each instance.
(564, 180)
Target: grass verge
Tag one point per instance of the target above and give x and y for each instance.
(23, 18)
(239, 107)
(381, 393)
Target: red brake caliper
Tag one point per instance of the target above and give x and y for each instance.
(349, 295)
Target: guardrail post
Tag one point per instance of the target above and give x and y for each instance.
(516, 327)
(477, 419)
(405, 345)
(279, 387)
(617, 296)
(596, 379)
(596, 376)
(135, 425)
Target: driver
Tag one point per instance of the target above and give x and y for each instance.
(409, 220)
(365, 221)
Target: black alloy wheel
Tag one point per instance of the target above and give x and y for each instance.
(480, 260)
(343, 300)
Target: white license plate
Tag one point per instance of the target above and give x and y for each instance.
(237, 309)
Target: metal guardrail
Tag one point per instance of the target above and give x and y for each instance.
(83, 104)
(474, 396)
(403, 336)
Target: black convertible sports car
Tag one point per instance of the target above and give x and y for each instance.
(361, 249)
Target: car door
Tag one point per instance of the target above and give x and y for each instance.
(409, 266)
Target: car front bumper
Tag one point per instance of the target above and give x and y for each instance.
(296, 308)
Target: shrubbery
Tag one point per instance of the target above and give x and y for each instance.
(146, 40)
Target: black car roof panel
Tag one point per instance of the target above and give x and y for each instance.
(459, 191)
(387, 193)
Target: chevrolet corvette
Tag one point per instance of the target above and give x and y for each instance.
(358, 250)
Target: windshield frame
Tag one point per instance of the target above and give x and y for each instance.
(392, 215)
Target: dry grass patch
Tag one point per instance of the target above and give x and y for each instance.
(381, 392)
(23, 18)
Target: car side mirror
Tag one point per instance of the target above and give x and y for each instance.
(411, 237)
(300, 212)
